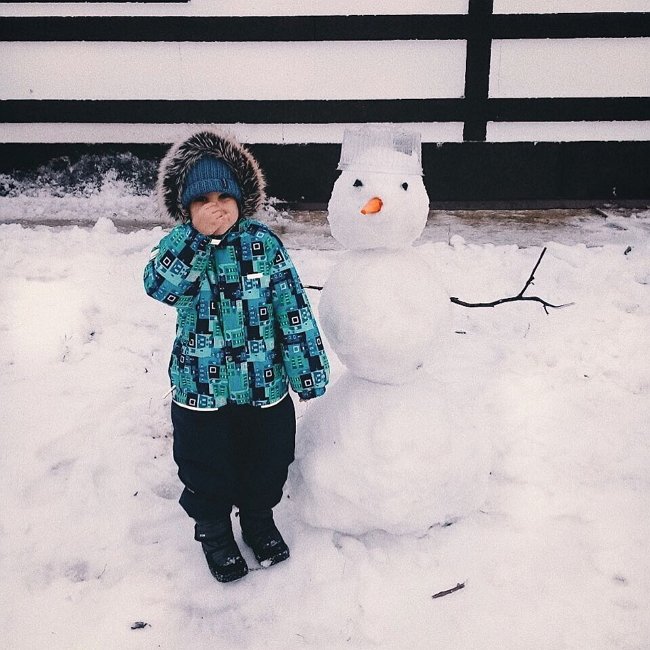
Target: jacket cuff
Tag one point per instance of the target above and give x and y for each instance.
(196, 235)
(310, 394)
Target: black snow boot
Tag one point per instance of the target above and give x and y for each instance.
(260, 533)
(221, 551)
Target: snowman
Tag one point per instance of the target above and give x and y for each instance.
(383, 449)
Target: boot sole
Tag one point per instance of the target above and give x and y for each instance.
(276, 559)
(232, 578)
(269, 561)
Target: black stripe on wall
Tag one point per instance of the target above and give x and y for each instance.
(477, 70)
(466, 173)
(232, 111)
(595, 25)
(568, 109)
(322, 28)
(233, 28)
(478, 110)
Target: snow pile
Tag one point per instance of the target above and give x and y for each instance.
(92, 539)
(84, 176)
(64, 194)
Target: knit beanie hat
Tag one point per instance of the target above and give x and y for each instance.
(209, 174)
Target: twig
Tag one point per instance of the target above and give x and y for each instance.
(602, 213)
(311, 286)
(139, 625)
(532, 275)
(446, 592)
(519, 296)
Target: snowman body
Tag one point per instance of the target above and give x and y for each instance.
(381, 311)
(383, 449)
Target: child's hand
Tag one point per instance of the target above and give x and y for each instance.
(206, 217)
(214, 213)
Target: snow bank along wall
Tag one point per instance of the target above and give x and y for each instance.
(517, 101)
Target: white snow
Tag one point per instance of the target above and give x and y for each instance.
(92, 539)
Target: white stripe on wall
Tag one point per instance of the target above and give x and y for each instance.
(240, 8)
(319, 133)
(582, 67)
(567, 131)
(310, 70)
(568, 6)
(251, 133)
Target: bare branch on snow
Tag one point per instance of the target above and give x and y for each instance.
(519, 296)
(446, 592)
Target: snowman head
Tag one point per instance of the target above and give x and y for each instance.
(379, 201)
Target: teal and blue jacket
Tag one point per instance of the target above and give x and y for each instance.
(245, 329)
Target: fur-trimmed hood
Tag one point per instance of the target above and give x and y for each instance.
(182, 155)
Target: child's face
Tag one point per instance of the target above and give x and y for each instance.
(214, 213)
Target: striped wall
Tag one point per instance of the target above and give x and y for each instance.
(513, 106)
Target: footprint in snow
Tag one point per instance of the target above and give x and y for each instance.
(76, 571)
(166, 490)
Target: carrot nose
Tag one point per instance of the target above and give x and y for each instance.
(373, 206)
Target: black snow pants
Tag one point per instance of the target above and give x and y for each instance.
(238, 455)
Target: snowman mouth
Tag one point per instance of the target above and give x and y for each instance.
(373, 206)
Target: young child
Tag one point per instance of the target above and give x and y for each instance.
(244, 333)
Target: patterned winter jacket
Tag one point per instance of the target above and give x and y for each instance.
(245, 329)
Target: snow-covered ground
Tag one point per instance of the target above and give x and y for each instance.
(93, 541)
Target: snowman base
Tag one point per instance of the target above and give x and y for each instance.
(387, 457)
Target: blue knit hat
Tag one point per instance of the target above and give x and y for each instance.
(209, 174)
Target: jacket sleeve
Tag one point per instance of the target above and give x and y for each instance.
(302, 348)
(177, 266)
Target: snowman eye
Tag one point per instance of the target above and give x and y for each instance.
(405, 186)
(357, 183)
